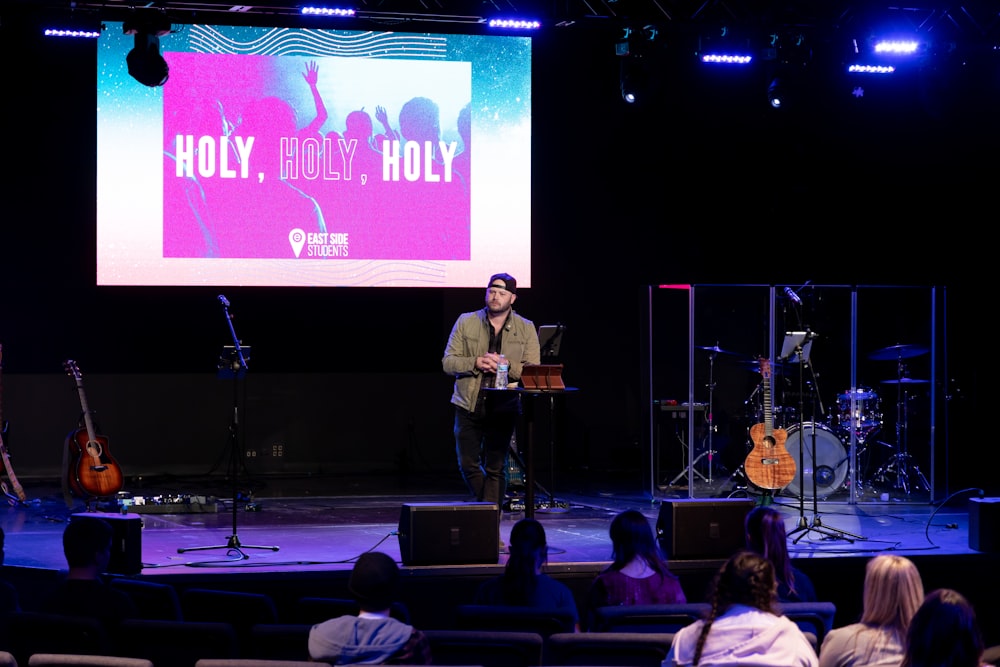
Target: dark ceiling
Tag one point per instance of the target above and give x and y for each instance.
(970, 21)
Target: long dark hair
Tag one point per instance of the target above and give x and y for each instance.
(765, 533)
(746, 578)
(944, 633)
(527, 551)
(631, 536)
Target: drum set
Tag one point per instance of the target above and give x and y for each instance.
(858, 413)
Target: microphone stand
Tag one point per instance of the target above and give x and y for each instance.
(817, 523)
(237, 365)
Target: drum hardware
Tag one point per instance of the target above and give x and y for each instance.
(900, 466)
(797, 345)
(710, 452)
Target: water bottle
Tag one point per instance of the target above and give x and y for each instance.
(503, 366)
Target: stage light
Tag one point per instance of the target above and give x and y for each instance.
(633, 81)
(776, 93)
(145, 64)
(328, 11)
(514, 24)
(73, 32)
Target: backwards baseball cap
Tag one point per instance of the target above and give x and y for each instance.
(504, 281)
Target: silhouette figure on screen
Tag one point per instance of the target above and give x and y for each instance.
(463, 161)
(253, 213)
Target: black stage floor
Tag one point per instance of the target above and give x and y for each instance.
(303, 534)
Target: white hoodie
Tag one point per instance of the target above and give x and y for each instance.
(744, 637)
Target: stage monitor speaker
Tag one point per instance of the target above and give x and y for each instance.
(449, 533)
(694, 528)
(126, 540)
(984, 524)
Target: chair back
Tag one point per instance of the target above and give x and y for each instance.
(485, 647)
(659, 618)
(814, 617)
(152, 599)
(74, 660)
(622, 649)
(278, 641)
(31, 632)
(176, 643)
(512, 618)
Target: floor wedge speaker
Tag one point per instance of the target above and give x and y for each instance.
(449, 533)
(984, 524)
(695, 528)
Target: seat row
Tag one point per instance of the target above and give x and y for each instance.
(448, 647)
(244, 609)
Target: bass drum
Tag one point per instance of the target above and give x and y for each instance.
(831, 465)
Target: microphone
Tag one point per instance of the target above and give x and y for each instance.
(790, 293)
(225, 302)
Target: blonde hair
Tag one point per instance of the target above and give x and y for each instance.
(893, 592)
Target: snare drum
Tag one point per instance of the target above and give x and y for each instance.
(866, 416)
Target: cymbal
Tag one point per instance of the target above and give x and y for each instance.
(905, 381)
(718, 350)
(898, 352)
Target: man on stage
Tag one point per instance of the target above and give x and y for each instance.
(485, 418)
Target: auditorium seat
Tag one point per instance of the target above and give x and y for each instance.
(278, 641)
(622, 649)
(814, 617)
(176, 643)
(648, 617)
(76, 660)
(513, 619)
(240, 609)
(485, 648)
(33, 632)
(152, 599)
(250, 662)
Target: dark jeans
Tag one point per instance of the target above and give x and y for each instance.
(481, 443)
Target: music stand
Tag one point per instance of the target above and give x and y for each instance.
(796, 348)
(233, 364)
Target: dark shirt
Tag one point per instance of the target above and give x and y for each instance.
(89, 597)
(804, 589)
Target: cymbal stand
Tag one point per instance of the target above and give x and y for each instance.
(709, 452)
(899, 464)
(804, 528)
(236, 364)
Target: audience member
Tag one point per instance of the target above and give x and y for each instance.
(638, 573)
(83, 591)
(373, 636)
(944, 632)
(765, 534)
(523, 583)
(743, 625)
(893, 591)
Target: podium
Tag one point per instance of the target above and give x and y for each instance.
(529, 399)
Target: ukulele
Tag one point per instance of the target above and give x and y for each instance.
(768, 466)
(92, 472)
(18, 495)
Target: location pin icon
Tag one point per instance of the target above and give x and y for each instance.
(297, 238)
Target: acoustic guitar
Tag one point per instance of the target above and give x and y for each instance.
(768, 466)
(93, 472)
(18, 496)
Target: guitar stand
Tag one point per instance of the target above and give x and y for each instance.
(233, 363)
